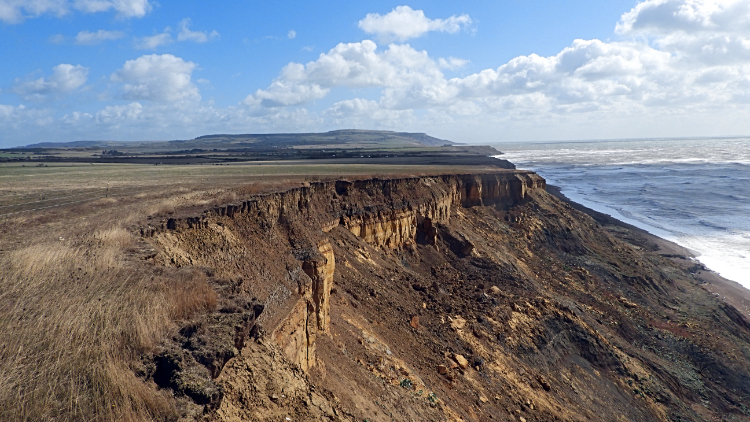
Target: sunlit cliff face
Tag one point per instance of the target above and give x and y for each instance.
(445, 297)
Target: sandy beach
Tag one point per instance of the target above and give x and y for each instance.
(731, 292)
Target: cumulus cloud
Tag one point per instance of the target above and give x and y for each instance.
(292, 34)
(15, 11)
(17, 122)
(667, 16)
(65, 78)
(587, 75)
(587, 72)
(710, 31)
(153, 42)
(403, 23)
(118, 114)
(186, 34)
(7, 111)
(405, 73)
(452, 63)
(91, 38)
(124, 8)
(359, 112)
(158, 78)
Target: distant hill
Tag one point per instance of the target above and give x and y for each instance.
(349, 138)
(335, 137)
(75, 144)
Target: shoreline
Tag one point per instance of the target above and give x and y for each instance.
(730, 292)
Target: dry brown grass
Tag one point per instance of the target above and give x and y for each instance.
(74, 315)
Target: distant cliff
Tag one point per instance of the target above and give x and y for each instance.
(454, 297)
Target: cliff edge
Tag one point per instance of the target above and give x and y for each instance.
(466, 297)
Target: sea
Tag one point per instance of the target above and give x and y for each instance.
(693, 192)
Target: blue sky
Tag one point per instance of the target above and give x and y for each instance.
(472, 71)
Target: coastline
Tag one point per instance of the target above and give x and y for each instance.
(730, 292)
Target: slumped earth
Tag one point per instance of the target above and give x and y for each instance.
(467, 297)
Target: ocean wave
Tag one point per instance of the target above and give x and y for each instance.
(723, 254)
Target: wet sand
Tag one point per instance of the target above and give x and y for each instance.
(730, 292)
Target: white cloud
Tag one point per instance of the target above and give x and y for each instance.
(118, 114)
(15, 11)
(668, 16)
(124, 8)
(406, 74)
(20, 122)
(403, 23)
(91, 38)
(709, 31)
(7, 111)
(158, 78)
(452, 63)
(153, 42)
(292, 34)
(360, 112)
(76, 118)
(65, 79)
(143, 121)
(186, 34)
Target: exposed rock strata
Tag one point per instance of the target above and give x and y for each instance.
(384, 213)
(553, 318)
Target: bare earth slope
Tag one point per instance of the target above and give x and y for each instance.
(456, 297)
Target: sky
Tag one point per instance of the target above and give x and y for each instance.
(470, 71)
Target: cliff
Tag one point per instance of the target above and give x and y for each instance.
(454, 297)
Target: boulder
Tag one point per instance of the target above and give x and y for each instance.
(461, 361)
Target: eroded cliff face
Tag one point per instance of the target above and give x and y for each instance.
(391, 214)
(456, 297)
(321, 273)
